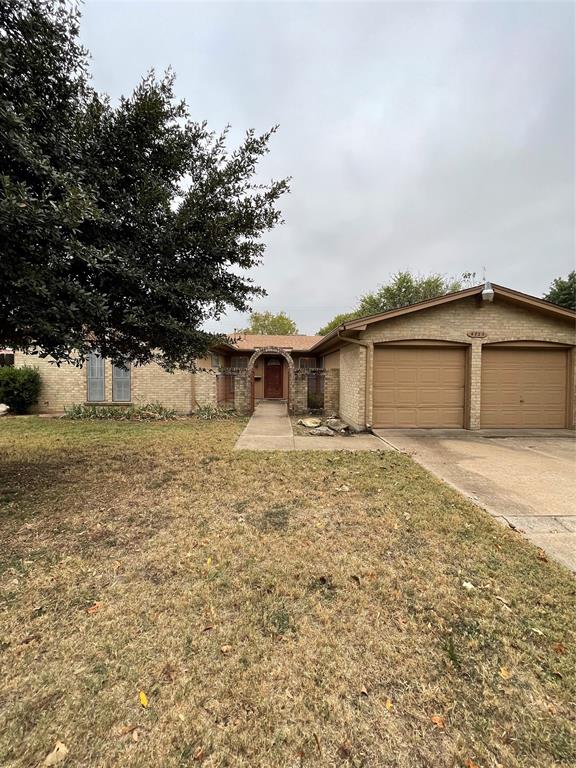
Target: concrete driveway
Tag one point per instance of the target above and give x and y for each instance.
(526, 478)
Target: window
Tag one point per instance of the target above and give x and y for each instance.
(215, 362)
(120, 384)
(6, 358)
(95, 378)
(239, 361)
(308, 363)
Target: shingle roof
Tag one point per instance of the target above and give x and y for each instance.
(249, 341)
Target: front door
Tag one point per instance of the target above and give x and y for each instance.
(273, 377)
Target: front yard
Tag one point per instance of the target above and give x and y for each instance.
(168, 602)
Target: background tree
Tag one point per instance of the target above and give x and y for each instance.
(563, 291)
(403, 289)
(266, 322)
(124, 228)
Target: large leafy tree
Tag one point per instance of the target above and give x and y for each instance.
(277, 324)
(563, 291)
(403, 288)
(124, 227)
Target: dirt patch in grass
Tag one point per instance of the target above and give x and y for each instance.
(271, 617)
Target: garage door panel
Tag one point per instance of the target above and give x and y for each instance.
(420, 387)
(523, 388)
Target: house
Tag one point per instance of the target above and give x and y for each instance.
(249, 368)
(484, 357)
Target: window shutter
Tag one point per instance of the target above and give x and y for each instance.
(95, 378)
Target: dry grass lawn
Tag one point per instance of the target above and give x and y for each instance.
(276, 609)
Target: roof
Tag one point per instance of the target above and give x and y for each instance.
(250, 341)
(360, 323)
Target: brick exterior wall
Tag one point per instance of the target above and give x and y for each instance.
(332, 391)
(352, 385)
(61, 386)
(66, 385)
(500, 321)
(205, 388)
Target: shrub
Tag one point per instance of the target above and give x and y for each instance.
(148, 412)
(19, 388)
(210, 412)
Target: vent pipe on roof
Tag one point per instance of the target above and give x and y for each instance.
(488, 292)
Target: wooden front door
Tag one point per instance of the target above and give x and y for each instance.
(273, 377)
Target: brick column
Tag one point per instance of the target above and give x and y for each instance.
(299, 400)
(475, 382)
(242, 383)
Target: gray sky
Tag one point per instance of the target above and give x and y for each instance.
(432, 137)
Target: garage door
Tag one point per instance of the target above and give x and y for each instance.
(523, 388)
(419, 387)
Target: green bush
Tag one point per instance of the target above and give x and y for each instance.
(210, 412)
(19, 388)
(148, 412)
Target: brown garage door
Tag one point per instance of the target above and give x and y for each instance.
(419, 387)
(523, 388)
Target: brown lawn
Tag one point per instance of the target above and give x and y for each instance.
(289, 609)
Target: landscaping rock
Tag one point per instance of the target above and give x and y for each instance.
(321, 432)
(311, 422)
(4, 409)
(337, 425)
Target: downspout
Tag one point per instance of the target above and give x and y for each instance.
(369, 346)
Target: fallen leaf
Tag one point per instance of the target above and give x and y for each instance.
(143, 699)
(93, 608)
(438, 721)
(345, 749)
(389, 705)
(471, 764)
(537, 631)
(199, 754)
(226, 648)
(208, 627)
(208, 562)
(542, 556)
(58, 754)
(364, 691)
(505, 673)
(169, 672)
(135, 735)
(126, 729)
(343, 488)
(559, 648)
(468, 585)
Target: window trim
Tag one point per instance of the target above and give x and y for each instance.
(307, 367)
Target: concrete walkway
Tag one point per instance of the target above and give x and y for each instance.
(270, 429)
(526, 478)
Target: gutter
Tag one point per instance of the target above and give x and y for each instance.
(369, 346)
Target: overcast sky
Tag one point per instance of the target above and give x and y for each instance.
(431, 137)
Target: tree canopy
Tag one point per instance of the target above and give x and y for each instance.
(124, 227)
(563, 291)
(403, 289)
(276, 324)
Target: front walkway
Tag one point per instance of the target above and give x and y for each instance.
(270, 429)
